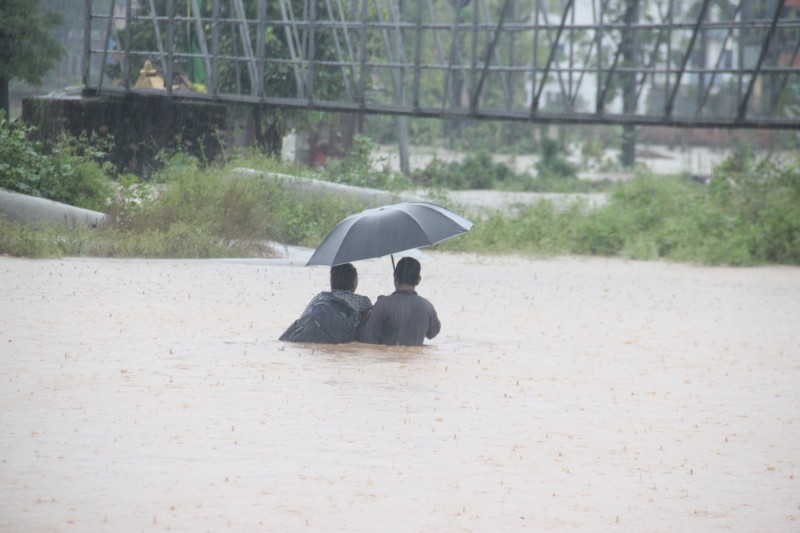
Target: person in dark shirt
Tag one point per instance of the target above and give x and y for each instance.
(344, 282)
(404, 317)
(332, 317)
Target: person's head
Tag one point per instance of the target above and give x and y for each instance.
(407, 271)
(344, 277)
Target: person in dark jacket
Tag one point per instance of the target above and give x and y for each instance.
(335, 316)
(404, 317)
(344, 282)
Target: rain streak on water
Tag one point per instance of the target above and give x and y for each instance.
(565, 394)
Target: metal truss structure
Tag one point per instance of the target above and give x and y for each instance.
(678, 63)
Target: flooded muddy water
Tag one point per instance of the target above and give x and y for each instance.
(564, 394)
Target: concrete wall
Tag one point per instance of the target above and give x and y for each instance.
(141, 125)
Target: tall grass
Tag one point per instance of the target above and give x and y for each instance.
(233, 211)
(748, 215)
(189, 211)
(480, 171)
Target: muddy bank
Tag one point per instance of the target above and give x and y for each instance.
(568, 394)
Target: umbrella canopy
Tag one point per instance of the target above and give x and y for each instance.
(388, 230)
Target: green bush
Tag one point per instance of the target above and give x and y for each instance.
(552, 162)
(227, 207)
(224, 206)
(358, 168)
(764, 197)
(69, 171)
(750, 214)
(29, 240)
(476, 171)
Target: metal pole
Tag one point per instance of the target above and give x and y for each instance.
(312, 49)
(247, 47)
(534, 72)
(700, 17)
(553, 49)
(740, 58)
(710, 84)
(214, 83)
(455, 59)
(157, 30)
(489, 56)
(508, 79)
(473, 63)
(105, 46)
(201, 37)
(782, 85)
(260, 46)
(294, 49)
(417, 54)
(570, 88)
(87, 42)
(339, 56)
(757, 71)
(170, 67)
(362, 54)
(671, 18)
(598, 33)
(550, 43)
(126, 71)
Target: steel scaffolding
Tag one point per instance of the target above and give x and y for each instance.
(679, 63)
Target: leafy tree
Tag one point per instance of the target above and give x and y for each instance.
(27, 47)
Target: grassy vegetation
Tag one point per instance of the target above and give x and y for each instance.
(749, 214)
(70, 170)
(186, 210)
(479, 171)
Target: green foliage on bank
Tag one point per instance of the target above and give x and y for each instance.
(480, 171)
(197, 214)
(218, 212)
(360, 168)
(70, 171)
(748, 214)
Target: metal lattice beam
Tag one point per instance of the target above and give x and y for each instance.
(506, 60)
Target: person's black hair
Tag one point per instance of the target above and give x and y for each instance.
(407, 271)
(343, 277)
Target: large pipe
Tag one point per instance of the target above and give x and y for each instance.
(24, 208)
(310, 187)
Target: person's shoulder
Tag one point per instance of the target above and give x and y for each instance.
(426, 301)
(383, 300)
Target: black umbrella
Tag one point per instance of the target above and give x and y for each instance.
(388, 230)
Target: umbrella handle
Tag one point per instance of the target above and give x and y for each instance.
(393, 267)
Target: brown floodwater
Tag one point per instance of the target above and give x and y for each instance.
(564, 394)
